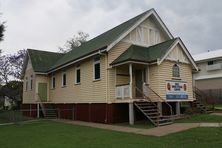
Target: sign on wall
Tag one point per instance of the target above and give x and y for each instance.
(176, 90)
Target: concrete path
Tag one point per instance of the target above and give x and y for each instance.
(156, 131)
(217, 113)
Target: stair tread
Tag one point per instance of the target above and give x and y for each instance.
(167, 123)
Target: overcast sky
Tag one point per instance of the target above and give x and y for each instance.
(47, 24)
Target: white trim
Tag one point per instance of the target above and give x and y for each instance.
(41, 73)
(77, 67)
(212, 76)
(143, 42)
(94, 63)
(138, 23)
(131, 80)
(178, 41)
(135, 62)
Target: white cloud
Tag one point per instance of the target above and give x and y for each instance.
(48, 24)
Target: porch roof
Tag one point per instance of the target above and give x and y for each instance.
(144, 54)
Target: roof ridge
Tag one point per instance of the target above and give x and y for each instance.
(44, 51)
(164, 42)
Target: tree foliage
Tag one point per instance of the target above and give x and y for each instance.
(16, 60)
(2, 29)
(74, 42)
(5, 68)
(11, 66)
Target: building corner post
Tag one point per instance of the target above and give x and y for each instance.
(131, 80)
(177, 108)
(131, 113)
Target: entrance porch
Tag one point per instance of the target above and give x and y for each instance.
(132, 86)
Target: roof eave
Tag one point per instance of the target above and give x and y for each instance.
(98, 51)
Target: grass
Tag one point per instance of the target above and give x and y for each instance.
(12, 116)
(218, 106)
(195, 118)
(46, 134)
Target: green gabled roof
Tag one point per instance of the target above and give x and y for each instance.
(42, 61)
(144, 54)
(99, 42)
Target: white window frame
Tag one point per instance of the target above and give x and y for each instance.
(64, 73)
(52, 79)
(94, 63)
(76, 69)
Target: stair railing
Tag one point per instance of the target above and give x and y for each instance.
(159, 97)
(150, 101)
(199, 95)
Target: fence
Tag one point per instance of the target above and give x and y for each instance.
(17, 116)
(213, 96)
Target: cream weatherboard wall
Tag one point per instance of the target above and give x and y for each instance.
(165, 73)
(160, 73)
(29, 94)
(88, 91)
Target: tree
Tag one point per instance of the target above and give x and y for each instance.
(2, 29)
(74, 42)
(5, 68)
(11, 66)
(16, 60)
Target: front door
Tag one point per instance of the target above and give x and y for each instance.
(139, 83)
(42, 91)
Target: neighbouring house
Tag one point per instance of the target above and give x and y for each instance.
(209, 77)
(134, 69)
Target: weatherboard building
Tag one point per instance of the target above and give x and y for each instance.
(134, 69)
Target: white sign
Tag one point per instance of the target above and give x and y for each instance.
(176, 90)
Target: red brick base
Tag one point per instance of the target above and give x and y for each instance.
(95, 112)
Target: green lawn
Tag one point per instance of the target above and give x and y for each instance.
(46, 134)
(218, 106)
(200, 118)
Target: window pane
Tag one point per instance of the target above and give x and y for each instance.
(31, 84)
(97, 71)
(53, 82)
(210, 62)
(64, 79)
(78, 76)
(26, 83)
(176, 71)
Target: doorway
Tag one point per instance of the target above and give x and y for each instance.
(42, 91)
(139, 83)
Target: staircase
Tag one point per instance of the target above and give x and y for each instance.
(48, 111)
(199, 102)
(151, 111)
